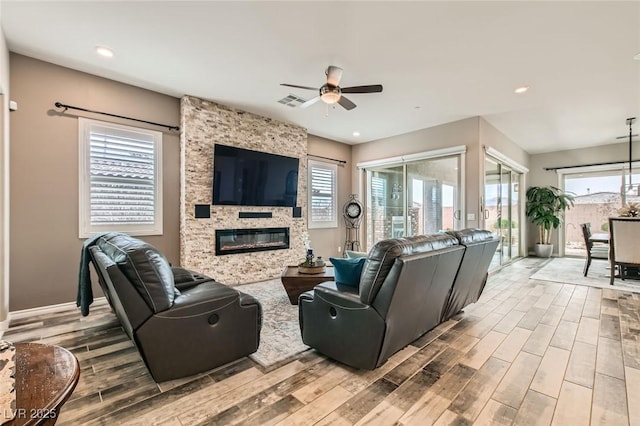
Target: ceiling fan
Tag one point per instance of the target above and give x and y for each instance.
(331, 92)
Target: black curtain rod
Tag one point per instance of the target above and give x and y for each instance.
(66, 107)
(327, 158)
(588, 165)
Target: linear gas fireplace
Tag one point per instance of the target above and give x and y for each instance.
(232, 241)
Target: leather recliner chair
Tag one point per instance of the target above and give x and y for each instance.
(408, 286)
(181, 322)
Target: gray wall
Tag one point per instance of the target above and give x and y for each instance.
(492, 137)
(325, 242)
(45, 248)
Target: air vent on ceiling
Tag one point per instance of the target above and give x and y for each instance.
(292, 101)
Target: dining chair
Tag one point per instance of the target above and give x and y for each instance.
(624, 255)
(594, 250)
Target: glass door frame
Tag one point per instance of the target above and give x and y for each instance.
(506, 182)
(515, 169)
(459, 151)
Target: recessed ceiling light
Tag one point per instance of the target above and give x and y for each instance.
(356, 134)
(521, 89)
(637, 57)
(104, 51)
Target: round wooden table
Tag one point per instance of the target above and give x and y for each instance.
(46, 375)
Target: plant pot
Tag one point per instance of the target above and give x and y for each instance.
(543, 250)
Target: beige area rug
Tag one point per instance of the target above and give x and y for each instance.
(569, 270)
(280, 338)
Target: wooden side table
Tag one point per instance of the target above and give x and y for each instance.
(296, 283)
(46, 375)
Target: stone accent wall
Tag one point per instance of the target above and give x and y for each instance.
(203, 124)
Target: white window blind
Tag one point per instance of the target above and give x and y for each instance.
(378, 191)
(120, 179)
(323, 195)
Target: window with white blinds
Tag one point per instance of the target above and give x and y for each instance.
(323, 195)
(378, 191)
(120, 179)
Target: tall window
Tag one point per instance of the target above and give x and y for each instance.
(323, 195)
(120, 179)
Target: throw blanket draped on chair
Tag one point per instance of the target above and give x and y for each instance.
(85, 293)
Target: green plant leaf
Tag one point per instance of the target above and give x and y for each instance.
(545, 207)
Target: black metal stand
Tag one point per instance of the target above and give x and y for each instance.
(350, 243)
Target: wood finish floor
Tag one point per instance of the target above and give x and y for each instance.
(530, 352)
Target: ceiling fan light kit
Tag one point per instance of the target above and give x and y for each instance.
(331, 92)
(330, 95)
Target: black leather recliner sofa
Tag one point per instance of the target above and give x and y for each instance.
(408, 286)
(181, 322)
(480, 246)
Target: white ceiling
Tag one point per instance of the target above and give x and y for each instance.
(451, 59)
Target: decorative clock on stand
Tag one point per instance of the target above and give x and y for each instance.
(352, 213)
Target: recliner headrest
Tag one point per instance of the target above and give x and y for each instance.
(146, 268)
(471, 235)
(384, 253)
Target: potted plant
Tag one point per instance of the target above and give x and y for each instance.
(629, 210)
(545, 206)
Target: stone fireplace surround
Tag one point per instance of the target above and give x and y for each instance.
(203, 124)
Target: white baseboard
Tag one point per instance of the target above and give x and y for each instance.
(41, 310)
(4, 325)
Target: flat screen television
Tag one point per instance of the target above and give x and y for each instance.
(242, 177)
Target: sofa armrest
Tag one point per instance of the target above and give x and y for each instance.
(185, 279)
(249, 302)
(338, 294)
(247, 299)
(202, 299)
(207, 322)
(334, 321)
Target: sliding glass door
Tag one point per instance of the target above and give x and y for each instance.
(502, 209)
(598, 195)
(413, 198)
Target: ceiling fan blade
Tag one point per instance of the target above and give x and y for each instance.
(346, 103)
(374, 88)
(298, 87)
(334, 74)
(309, 102)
